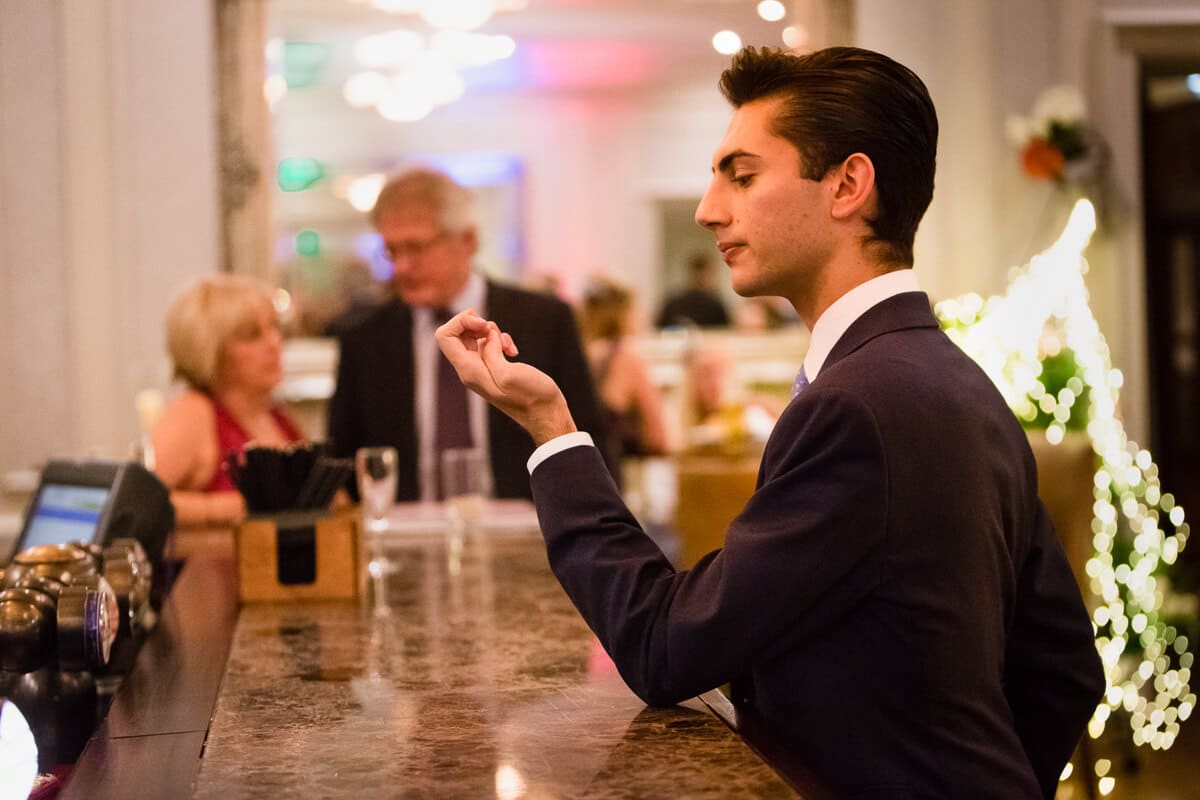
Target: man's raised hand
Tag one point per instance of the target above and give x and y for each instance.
(479, 351)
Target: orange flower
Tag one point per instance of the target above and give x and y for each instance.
(1040, 160)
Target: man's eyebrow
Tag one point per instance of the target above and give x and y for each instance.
(726, 163)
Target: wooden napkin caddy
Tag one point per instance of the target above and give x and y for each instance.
(301, 555)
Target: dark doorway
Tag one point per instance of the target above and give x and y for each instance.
(1171, 139)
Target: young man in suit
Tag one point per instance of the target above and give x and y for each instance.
(892, 602)
(393, 385)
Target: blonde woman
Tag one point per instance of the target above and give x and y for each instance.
(227, 349)
(630, 401)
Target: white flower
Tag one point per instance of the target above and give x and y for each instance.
(1061, 103)
(1020, 130)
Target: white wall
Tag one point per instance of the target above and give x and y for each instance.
(108, 204)
(984, 60)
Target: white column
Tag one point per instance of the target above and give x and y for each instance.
(36, 387)
(91, 209)
(108, 205)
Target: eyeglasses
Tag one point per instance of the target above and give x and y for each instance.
(412, 248)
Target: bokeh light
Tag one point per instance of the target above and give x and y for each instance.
(726, 42)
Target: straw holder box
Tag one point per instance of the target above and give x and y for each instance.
(302, 555)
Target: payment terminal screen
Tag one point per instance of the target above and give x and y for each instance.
(65, 514)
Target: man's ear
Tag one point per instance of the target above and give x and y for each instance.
(854, 187)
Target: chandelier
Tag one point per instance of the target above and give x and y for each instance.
(407, 73)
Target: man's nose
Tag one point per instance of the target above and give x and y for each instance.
(401, 263)
(708, 213)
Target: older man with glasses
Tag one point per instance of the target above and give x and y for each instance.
(394, 387)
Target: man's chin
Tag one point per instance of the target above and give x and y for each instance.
(744, 288)
(415, 299)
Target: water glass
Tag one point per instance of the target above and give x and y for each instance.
(466, 481)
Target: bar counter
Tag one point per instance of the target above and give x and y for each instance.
(465, 673)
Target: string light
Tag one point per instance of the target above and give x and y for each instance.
(1044, 312)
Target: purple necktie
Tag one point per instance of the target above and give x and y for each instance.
(801, 382)
(453, 421)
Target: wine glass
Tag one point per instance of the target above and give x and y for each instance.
(376, 468)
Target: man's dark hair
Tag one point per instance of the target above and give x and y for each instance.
(845, 100)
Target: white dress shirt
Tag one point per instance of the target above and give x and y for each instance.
(425, 349)
(847, 309)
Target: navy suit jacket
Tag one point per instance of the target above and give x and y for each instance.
(892, 602)
(374, 401)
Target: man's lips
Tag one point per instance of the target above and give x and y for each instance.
(727, 248)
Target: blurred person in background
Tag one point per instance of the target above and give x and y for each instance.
(395, 388)
(718, 411)
(544, 283)
(225, 344)
(630, 401)
(699, 304)
(762, 314)
(359, 293)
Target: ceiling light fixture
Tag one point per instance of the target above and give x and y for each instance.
(771, 10)
(795, 36)
(364, 89)
(399, 6)
(726, 42)
(457, 15)
(408, 74)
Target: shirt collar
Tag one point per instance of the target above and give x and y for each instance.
(830, 326)
(471, 296)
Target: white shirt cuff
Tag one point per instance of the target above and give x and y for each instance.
(556, 446)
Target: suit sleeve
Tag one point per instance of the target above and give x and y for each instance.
(343, 421)
(1053, 676)
(804, 552)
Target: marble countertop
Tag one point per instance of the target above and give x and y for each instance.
(467, 673)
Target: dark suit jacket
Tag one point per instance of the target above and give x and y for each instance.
(374, 401)
(892, 602)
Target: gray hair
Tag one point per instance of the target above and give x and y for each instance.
(425, 188)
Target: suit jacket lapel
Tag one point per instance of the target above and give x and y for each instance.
(897, 313)
(396, 371)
